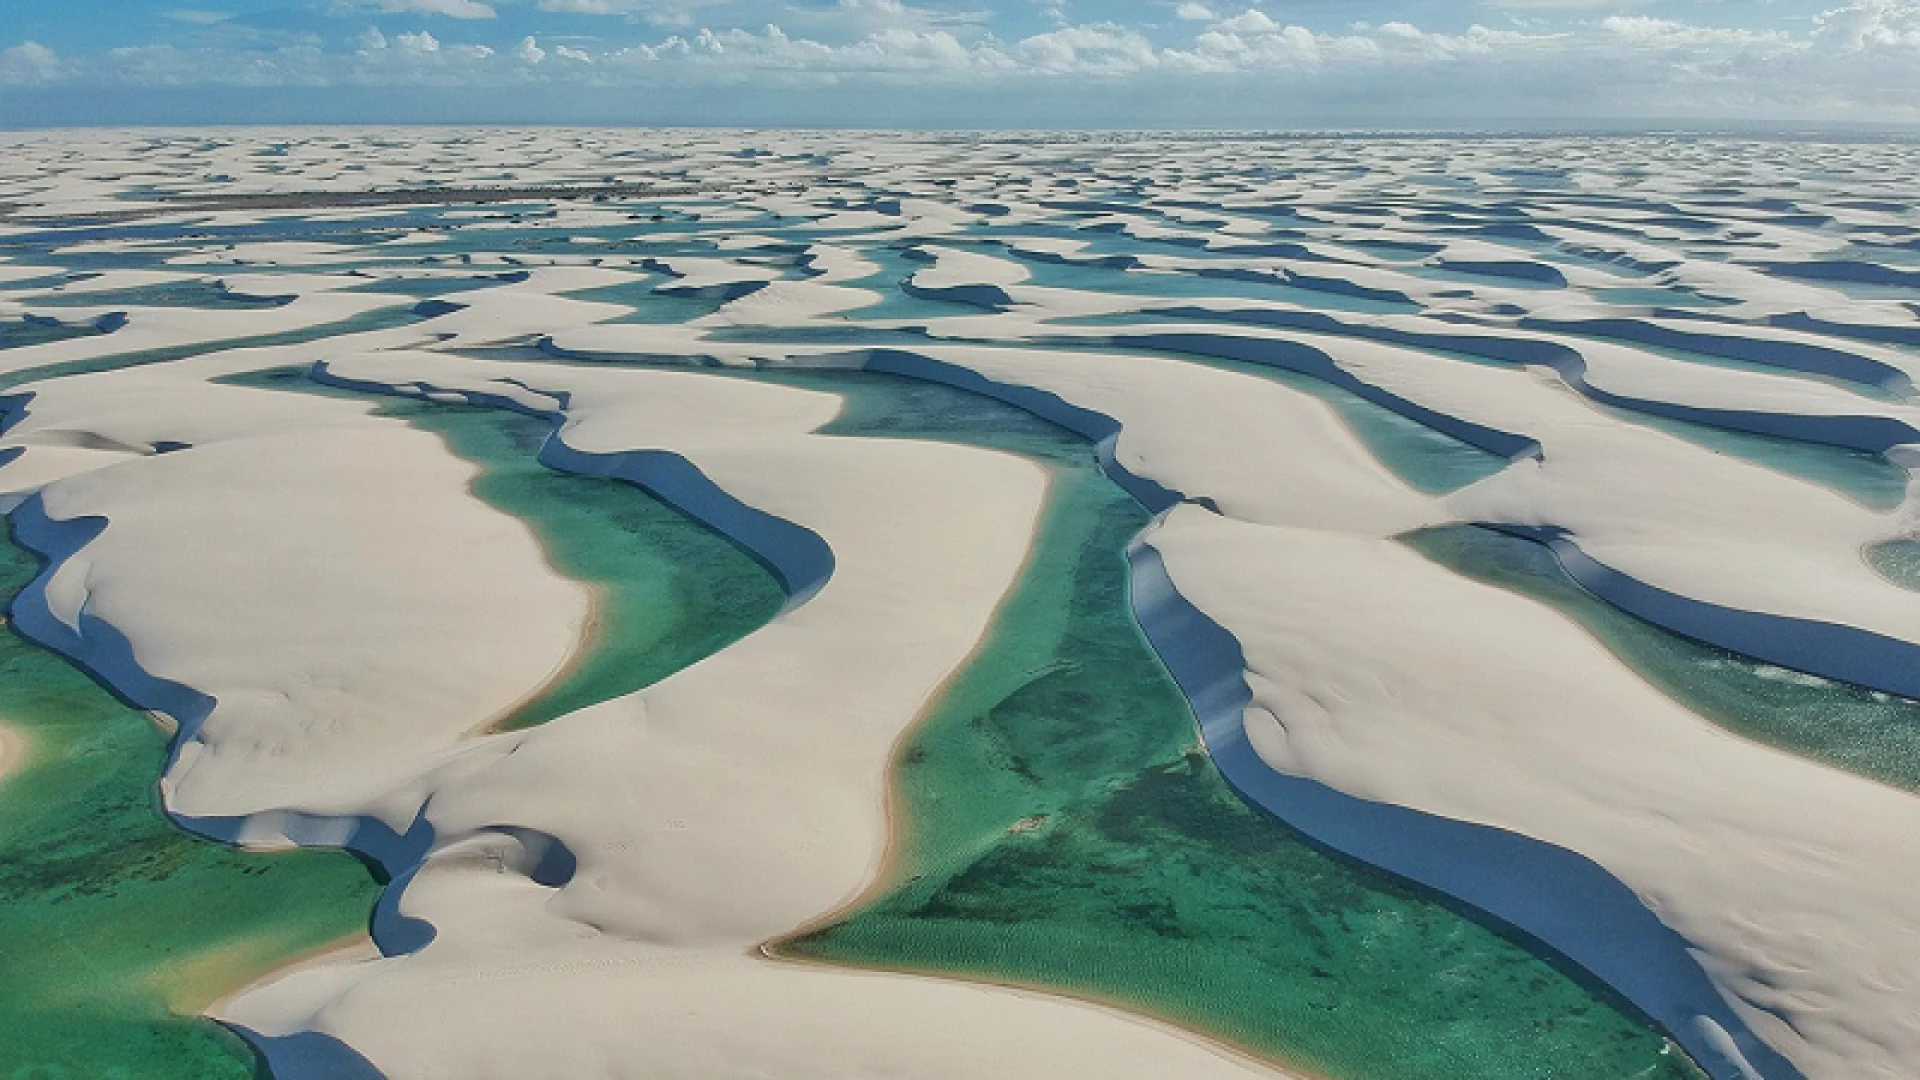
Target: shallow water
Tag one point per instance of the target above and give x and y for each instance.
(378, 319)
(648, 306)
(16, 333)
(1191, 286)
(1061, 827)
(1428, 461)
(1867, 478)
(1866, 732)
(1655, 297)
(115, 925)
(1897, 560)
(669, 591)
(179, 294)
(1425, 459)
(893, 303)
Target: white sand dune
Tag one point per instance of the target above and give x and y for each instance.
(315, 733)
(314, 595)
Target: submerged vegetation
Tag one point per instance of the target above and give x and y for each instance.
(116, 926)
(1061, 828)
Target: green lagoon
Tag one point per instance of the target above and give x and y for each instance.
(669, 591)
(1864, 731)
(386, 318)
(116, 926)
(1060, 827)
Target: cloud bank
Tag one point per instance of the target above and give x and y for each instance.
(1191, 62)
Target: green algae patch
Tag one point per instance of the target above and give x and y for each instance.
(1866, 732)
(114, 923)
(1059, 827)
(668, 590)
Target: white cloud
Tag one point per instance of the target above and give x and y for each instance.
(1872, 25)
(198, 18)
(1098, 49)
(676, 14)
(455, 9)
(1857, 61)
(29, 62)
(1250, 21)
(586, 7)
(1650, 32)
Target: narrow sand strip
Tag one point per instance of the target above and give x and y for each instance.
(14, 752)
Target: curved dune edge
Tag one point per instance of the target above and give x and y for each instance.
(1630, 950)
(1575, 364)
(1706, 1023)
(799, 558)
(1809, 639)
(1657, 972)
(1551, 895)
(313, 1050)
(1800, 640)
(1120, 1008)
(1230, 233)
(556, 453)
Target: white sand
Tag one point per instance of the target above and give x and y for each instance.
(320, 585)
(816, 696)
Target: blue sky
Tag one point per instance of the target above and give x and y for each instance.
(981, 63)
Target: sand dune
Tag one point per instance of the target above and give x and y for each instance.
(1698, 394)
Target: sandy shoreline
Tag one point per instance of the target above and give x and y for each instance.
(339, 627)
(1127, 1011)
(887, 872)
(13, 752)
(354, 947)
(583, 650)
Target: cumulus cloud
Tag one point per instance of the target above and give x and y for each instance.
(1101, 49)
(1860, 60)
(1250, 21)
(29, 62)
(1873, 25)
(1668, 33)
